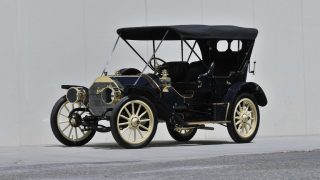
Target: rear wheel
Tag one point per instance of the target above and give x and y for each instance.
(245, 119)
(134, 122)
(69, 131)
(181, 135)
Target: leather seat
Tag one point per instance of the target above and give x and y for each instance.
(184, 75)
(177, 70)
(195, 69)
(190, 82)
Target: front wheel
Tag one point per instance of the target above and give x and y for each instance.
(245, 119)
(133, 122)
(69, 131)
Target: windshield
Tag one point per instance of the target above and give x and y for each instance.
(169, 51)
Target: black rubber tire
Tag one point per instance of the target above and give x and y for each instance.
(56, 131)
(231, 127)
(113, 122)
(180, 137)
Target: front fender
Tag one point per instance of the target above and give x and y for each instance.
(247, 87)
(142, 91)
(163, 110)
(67, 86)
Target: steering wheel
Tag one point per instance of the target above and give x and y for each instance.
(156, 63)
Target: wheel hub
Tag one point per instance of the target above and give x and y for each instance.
(245, 118)
(135, 121)
(75, 120)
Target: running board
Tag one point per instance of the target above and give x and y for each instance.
(206, 128)
(206, 122)
(194, 126)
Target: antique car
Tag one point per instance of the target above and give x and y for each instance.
(185, 95)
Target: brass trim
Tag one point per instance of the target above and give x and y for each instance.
(103, 79)
(101, 96)
(107, 79)
(165, 81)
(184, 97)
(80, 93)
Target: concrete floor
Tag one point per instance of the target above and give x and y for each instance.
(292, 157)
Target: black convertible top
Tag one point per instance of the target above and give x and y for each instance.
(188, 32)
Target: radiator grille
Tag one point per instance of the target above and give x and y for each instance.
(96, 104)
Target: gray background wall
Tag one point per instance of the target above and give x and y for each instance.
(45, 43)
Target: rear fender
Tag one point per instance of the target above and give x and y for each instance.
(247, 87)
